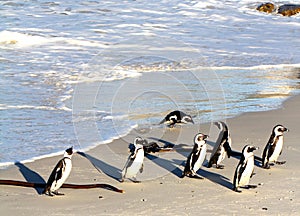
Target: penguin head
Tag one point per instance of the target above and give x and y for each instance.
(187, 119)
(69, 152)
(138, 141)
(199, 138)
(248, 150)
(279, 130)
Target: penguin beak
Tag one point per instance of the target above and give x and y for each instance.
(205, 136)
(286, 130)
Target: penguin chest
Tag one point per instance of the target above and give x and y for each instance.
(222, 154)
(245, 177)
(200, 158)
(66, 170)
(277, 149)
(136, 165)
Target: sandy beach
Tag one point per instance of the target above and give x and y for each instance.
(162, 191)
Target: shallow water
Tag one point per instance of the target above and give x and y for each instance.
(122, 65)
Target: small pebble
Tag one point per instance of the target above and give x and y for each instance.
(143, 200)
(100, 197)
(264, 208)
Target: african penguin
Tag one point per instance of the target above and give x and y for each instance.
(274, 147)
(196, 157)
(59, 174)
(135, 161)
(176, 117)
(222, 147)
(244, 170)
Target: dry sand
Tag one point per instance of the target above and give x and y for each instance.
(162, 192)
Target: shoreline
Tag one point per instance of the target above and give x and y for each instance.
(277, 191)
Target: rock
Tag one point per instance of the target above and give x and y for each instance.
(285, 10)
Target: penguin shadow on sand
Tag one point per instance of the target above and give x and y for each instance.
(102, 166)
(31, 176)
(237, 155)
(184, 151)
(211, 176)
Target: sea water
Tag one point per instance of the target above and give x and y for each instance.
(117, 65)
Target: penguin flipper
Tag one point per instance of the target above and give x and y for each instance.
(227, 149)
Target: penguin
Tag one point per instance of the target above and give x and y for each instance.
(59, 174)
(274, 147)
(196, 157)
(222, 147)
(135, 161)
(176, 117)
(244, 169)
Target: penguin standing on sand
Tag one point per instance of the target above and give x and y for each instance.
(244, 170)
(59, 174)
(274, 147)
(222, 146)
(176, 117)
(135, 161)
(196, 157)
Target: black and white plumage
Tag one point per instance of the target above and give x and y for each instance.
(222, 146)
(196, 157)
(59, 174)
(135, 161)
(274, 147)
(245, 168)
(176, 117)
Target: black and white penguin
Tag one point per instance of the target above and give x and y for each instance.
(59, 174)
(135, 161)
(176, 117)
(196, 157)
(222, 146)
(245, 168)
(274, 147)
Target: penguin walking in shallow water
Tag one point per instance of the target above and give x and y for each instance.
(244, 170)
(196, 157)
(59, 174)
(176, 117)
(222, 146)
(274, 147)
(135, 161)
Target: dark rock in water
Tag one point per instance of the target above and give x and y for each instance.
(266, 7)
(285, 10)
(289, 9)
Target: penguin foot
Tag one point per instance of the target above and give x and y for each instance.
(266, 166)
(235, 189)
(134, 180)
(57, 193)
(220, 166)
(195, 176)
(121, 180)
(48, 193)
(280, 162)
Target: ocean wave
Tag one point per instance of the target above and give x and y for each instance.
(22, 39)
